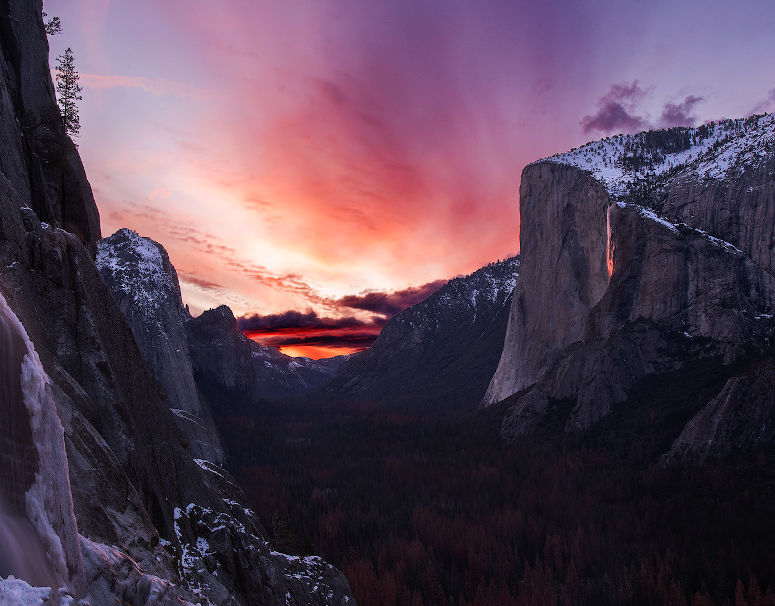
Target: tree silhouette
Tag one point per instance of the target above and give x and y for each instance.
(52, 26)
(68, 92)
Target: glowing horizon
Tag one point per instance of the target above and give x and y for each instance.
(291, 154)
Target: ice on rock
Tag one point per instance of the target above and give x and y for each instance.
(48, 501)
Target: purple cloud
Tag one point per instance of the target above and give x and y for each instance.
(680, 114)
(388, 304)
(616, 110)
(296, 319)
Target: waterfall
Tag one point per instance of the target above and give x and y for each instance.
(38, 534)
(21, 552)
(609, 245)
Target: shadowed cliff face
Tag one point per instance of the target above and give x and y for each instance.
(93, 458)
(145, 286)
(40, 162)
(439, 353)
(628, 273)
(564, 272)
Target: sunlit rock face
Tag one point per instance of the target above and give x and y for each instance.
(640, 253)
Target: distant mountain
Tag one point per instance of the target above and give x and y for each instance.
(230, 367)
(438, 353)
(647, 255)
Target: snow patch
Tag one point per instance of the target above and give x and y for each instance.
(138, 268)
(713, 151)
(18, 592)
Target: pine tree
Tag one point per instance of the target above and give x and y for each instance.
(52, 26)
(68, 92)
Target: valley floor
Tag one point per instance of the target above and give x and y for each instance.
(421, 510)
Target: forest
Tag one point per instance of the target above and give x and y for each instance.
(433, 509)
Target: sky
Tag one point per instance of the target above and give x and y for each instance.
(318, 165)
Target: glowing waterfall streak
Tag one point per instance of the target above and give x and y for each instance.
(609, 245)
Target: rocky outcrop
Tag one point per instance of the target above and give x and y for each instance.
(639, 254)
(220, 353)
(230, 368)
(129, 467)
(145, 285)
(739, 418)
(437, 353)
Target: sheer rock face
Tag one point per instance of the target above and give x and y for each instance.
(628, 273)
(145, 286)
(39, 161)
(439, 352)
(563, 272)
(130, 467)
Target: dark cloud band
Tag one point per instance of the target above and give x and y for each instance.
(308, 329)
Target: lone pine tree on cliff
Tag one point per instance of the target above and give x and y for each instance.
(68, 92)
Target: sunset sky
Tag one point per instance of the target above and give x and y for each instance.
(301, 160)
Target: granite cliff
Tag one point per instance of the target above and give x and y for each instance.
(145, 285)
(641, 254)
(97, 471)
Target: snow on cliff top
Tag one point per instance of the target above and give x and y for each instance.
(708, 152)
(492, 283)
(137, 267)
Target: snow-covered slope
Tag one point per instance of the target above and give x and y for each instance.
(140, 269)
(710, 151)
(440, 352)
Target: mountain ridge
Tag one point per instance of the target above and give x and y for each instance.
(439, 348)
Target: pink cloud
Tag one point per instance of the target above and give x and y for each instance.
(155, 86)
